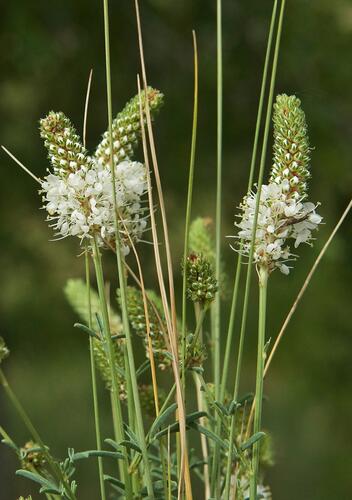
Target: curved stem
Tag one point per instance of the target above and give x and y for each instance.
(189, 208)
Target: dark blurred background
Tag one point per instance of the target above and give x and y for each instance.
(47, 50)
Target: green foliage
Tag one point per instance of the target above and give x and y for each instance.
(76, 294)
(126, 128)
(291, 145)
(156, 320)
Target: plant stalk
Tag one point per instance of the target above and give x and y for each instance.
(116, 413)
(94, 384)
(120, 268)
(188, 210)
(254, 230)
(263, 284)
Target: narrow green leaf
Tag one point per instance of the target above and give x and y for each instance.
(131, 445)
(143, 368)
(253, 439)
(85, 329)
(97, 453)
(119, 485)
(37, 478)
(161, 419)
(209, 434)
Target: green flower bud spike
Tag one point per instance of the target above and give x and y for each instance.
(291, 146)
(65, 149)
(32, 457)
(126, 128)
(201, 282)
(4, 351)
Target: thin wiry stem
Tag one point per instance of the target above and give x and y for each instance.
(94, 383)
(91, 342)
(16, 160)
(254, 230)
(120, 268)
(263, 285)
(189, 207)
(116, 404)
(86, 104)
(173, 347)
(157, 180)
(216, 306)
(250, 183)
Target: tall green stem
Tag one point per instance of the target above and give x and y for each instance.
(216, 305)
(249, 186)
(94, 384)
(120, 268)
(263, 282)
(117, 413)
(189, 208)
(251, 252)
(57, 472)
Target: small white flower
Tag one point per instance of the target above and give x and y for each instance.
(282, 217)
(81, 203)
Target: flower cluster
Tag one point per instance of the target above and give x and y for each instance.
(283, 213)
(201, 282)
(126, 128)
(280, 218)
(78, 195)
(32, 457)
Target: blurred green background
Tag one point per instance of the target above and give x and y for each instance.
(47, 50)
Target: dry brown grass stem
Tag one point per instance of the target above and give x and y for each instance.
(172, 340)
(146, 313)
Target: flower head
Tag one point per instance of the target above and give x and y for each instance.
(82, 204)
(281, 219)
(291, 147)
(284, 215)
(201, 282)
(65, 149)
(126, 128)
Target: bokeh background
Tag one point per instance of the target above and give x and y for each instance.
(46, 51)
